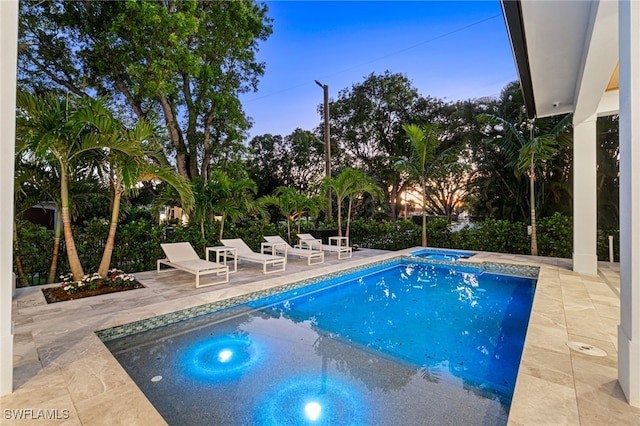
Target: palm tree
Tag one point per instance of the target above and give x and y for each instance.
(125, 171)
(37, 183)
(204, 195)
(424, 163)
(63, 131)
(527, 154)
(291, 204)
(239, 201)
(350, 184)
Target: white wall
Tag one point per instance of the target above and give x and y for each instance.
(8, 63)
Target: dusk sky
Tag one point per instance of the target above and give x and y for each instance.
(450, 50)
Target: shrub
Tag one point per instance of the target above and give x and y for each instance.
(555, 236)
(137, 245)
(35, 247)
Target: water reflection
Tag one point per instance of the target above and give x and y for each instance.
(354, 354)
(437, 319)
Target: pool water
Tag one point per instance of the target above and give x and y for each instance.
(406, 344)
(442, 254)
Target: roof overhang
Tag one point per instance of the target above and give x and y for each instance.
(566, 54)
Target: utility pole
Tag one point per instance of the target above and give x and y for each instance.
(327, 144)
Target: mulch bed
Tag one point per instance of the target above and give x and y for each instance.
(57, 294)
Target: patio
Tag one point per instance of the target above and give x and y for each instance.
(62, 370)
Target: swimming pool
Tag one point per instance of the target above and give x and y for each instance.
(433, 343)
(442, 254)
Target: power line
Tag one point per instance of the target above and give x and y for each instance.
(431, 40)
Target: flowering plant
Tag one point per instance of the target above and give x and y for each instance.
(114, 278)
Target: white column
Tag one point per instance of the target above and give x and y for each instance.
(585, 206)
(8, 64)
(629, 328)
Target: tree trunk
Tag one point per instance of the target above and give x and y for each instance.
(348, 218)
(206, 156)
(72, 252)
(339, 217)
(392, 202)
(53, 268)
(19, 267)
(532, 201)
(424, 215)
(222, 225)
(176, 139)
(108, 247)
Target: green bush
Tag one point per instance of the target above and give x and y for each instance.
(35, 247)
(438, 232)
(384, 235)
(137, 245)
(498, 236)
(555, 236)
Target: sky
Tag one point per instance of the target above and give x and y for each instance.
(451, 50)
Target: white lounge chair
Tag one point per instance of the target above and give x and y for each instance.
(276, 245)
(311, 242)
(182, 256)
(276, 263)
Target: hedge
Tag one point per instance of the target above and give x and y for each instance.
(137, 245)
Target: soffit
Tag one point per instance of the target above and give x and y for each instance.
(556, 34)
(566, 53)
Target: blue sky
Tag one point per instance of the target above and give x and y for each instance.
(450, 50)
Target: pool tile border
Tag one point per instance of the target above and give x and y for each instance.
(135, 327)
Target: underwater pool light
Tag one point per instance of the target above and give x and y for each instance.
(225, 355)
(220, 357)
(312, 410)
(307, 400)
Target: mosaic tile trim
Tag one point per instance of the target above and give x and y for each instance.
(135, 327)
(524, 271)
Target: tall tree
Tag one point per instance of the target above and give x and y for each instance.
(367, 119)
(529, 151)
(495, 190)
(266, 153)
(296, 160)
(179, 64)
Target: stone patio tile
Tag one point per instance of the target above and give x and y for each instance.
(134, 408)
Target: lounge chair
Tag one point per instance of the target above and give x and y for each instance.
(308, 241)
(182, 256)
(279, 246)
(277, 263)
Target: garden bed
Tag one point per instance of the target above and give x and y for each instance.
(58, 294)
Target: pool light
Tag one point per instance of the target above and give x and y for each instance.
(312, 411)
(225, 355)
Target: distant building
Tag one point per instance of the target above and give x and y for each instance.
(44, 214)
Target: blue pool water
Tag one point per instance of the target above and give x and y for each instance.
(442, 254)
(413, 343)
